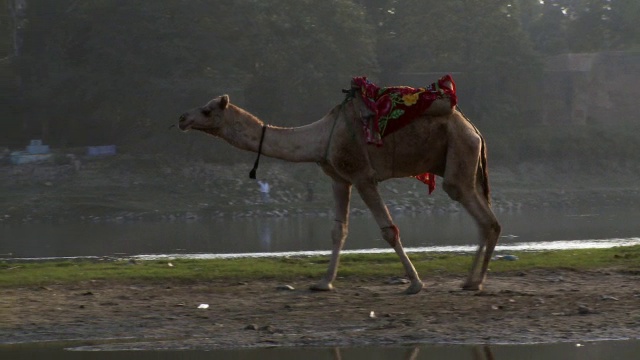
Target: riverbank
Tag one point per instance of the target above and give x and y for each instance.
(153, 188)
(544, 297)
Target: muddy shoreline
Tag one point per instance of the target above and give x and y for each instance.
(517, 307)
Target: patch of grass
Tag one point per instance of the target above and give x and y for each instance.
(583, 259)
(353, 265)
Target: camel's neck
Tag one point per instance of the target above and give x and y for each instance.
(298, 144)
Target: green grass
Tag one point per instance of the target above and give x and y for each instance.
(14, 274)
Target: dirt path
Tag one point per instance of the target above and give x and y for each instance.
(535, 306)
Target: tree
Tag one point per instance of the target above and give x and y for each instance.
(482, 44)
(11, 23)
(111, 70)
(299, 54)
(563, 26)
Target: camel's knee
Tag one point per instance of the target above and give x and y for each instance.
(496, 227)
(391, 234)
(489, 237)
(494, 230)
(490, 230)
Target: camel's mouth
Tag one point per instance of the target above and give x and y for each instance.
(185, 126)
(185, 123)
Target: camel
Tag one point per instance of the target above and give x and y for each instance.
(448, 146)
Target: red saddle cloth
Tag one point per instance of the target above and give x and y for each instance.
(396, 106)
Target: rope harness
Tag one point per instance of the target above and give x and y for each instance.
(252, 173)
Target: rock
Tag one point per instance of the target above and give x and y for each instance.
(396, 280)
(505, 257)
(285, 288)
(268, 328)
(251, 327)
(585, 310)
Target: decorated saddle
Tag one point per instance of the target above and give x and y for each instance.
(396, 106)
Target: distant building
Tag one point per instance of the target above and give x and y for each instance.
(101, 150)
(35, 152)
(36, 147)
(591, 88)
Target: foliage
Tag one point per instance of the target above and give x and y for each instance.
(117, 71)
(115, 68)
(569, 149)
(562, 26)
(482, 44)
(300, 53)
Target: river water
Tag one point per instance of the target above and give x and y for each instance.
(619, 350)
(525, 230)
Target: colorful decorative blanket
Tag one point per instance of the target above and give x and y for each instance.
(396, 106)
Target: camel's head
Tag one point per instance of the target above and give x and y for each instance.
(207, 118)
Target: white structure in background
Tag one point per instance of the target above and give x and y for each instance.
(34, 152)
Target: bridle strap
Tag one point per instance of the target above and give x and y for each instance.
(252, 173)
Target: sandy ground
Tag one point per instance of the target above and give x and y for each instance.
(536, 306)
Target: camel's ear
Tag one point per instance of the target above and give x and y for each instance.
(224, 101)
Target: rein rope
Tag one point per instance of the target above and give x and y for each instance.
(351, 93)
(252, 173)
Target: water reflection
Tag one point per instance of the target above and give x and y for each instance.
(250, 235)
(264, 233)
(482, 353)
(619, 350)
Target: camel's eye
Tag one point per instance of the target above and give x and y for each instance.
(206, 112)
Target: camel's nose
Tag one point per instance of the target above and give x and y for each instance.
(182, 122)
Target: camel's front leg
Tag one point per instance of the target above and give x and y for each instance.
(369, 193)
(341, 195)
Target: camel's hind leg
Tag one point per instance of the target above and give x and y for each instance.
(369, 193)
(462, 182)
(488, 226)
(489, 229)
(342, 196)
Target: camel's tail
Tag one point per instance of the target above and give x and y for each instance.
(483, 169)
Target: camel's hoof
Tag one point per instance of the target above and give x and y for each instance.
(414, 288)
(321, 287)
(469, 286)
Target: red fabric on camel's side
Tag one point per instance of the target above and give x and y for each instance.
(428, 179)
